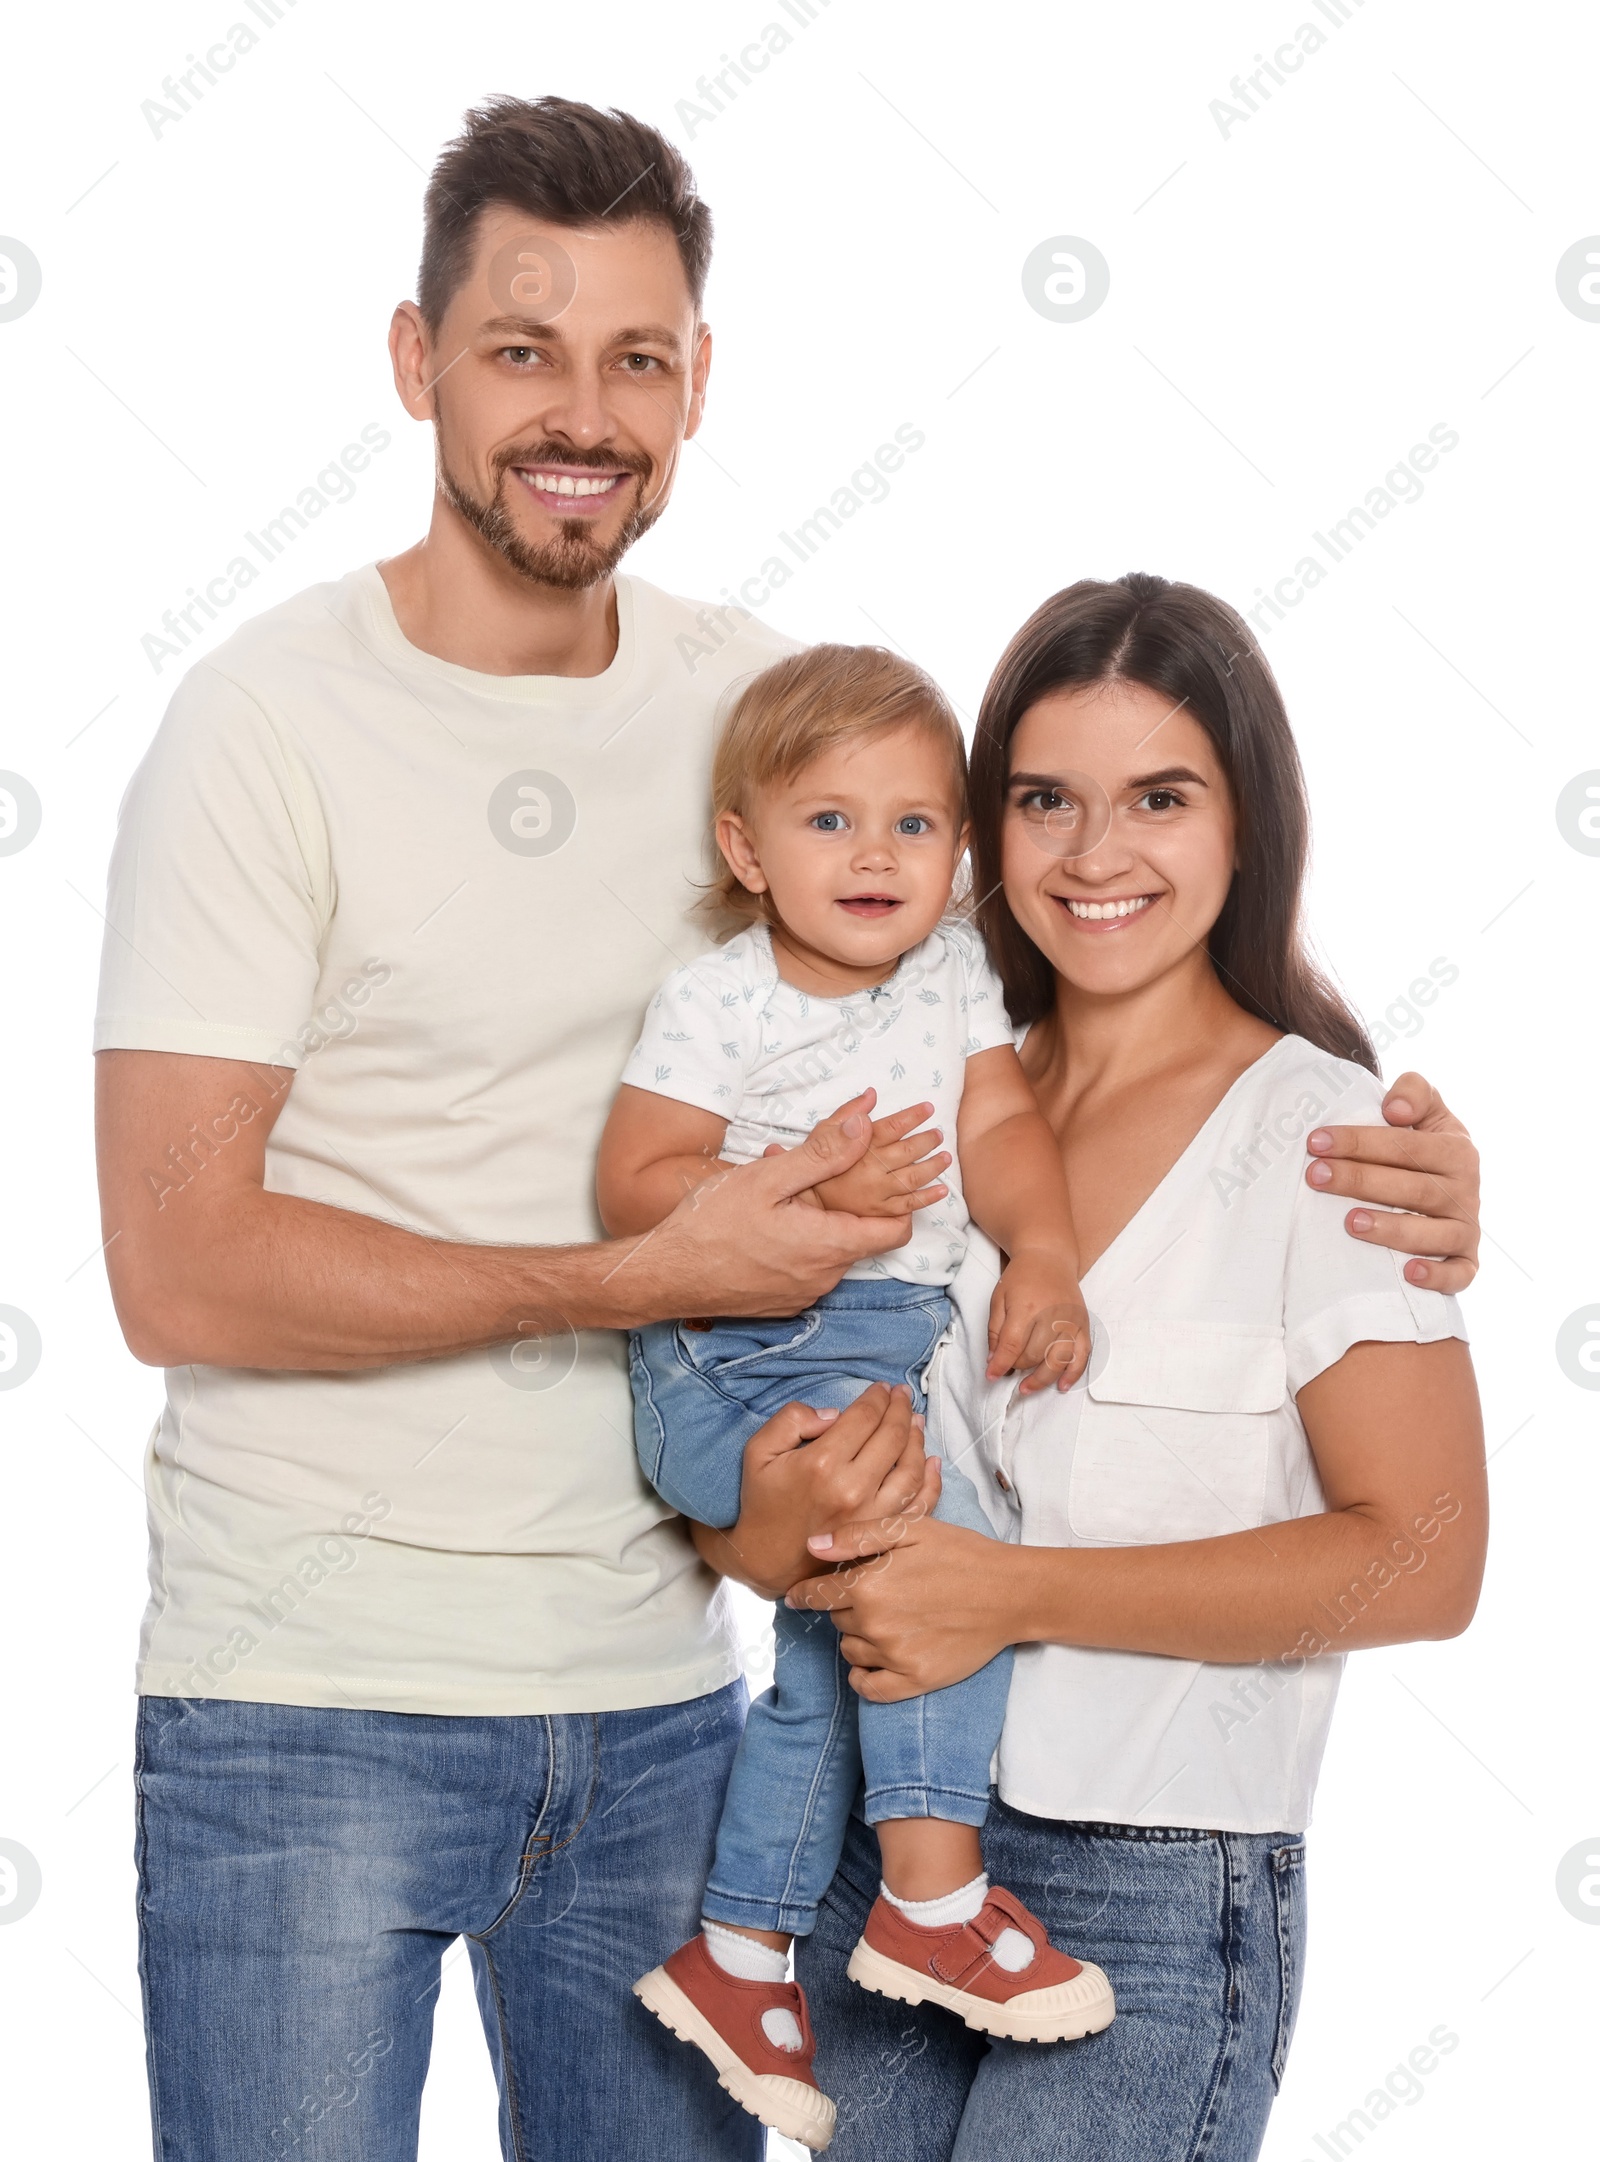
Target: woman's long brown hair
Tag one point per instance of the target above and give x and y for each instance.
(1192, 650)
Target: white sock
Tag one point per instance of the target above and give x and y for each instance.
(1010, 1950)
(752, 1961)
(958, 1906)
(744, 1956)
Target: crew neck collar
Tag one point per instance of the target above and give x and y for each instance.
(573, 694)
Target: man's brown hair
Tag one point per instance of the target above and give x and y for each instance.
(565, 164)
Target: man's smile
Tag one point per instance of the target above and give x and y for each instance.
(573, 491)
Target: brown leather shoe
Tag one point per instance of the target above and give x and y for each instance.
(1053, 1999)
(721, 2015)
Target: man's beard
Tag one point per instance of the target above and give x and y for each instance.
(576, 559)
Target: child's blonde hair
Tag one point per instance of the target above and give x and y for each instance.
(785, 718)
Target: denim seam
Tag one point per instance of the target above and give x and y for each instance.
(141, 1848)
(513, 2100)
(1287, 1863)
(824, 1760)
(746, 1358)
(808, 1818)
(534, 1839)
(1211, 2112)
(644, 1399)
(924, 1786)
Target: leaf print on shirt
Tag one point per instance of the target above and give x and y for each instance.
(663, 1073)
(732, 1050)
(930, 998)
(676, 1035)
(897, 1072)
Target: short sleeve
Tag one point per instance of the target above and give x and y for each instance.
(219, 890)
(1339, 1291)
(700, 1036)
(983, 996)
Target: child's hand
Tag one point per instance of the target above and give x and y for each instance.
(897, 1175)
(1038, 1323)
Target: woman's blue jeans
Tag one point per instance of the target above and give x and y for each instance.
(1203, 1937)
(701, 1389)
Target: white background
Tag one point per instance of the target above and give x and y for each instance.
(1292, 306)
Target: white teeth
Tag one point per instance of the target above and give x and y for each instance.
(564, 484)
(1102, 911)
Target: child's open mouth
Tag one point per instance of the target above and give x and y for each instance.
(870, 904)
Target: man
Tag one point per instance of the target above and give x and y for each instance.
(425, 1657)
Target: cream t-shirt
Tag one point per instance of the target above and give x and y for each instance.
(445, 899)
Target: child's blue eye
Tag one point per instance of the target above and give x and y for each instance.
(829, 821)
(916, 823)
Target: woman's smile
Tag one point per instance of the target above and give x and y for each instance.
(1107, 914)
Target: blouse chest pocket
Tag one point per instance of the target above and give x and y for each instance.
(1175, 1432)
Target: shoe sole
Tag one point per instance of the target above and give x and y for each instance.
(788, 2106)
(887, 1978)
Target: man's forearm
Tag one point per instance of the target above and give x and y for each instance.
(283, 1283)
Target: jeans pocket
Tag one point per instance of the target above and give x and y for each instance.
(1289, 1904)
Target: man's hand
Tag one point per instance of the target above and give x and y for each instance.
(745, 1242)
(807, 1471)
(1038, 1323)
(1422, 1164)
(899, 1172)
(208, 1267)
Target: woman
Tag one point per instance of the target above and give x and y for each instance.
(1274, 1458)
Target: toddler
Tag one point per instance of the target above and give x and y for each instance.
(838, 794)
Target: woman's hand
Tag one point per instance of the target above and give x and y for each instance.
(932, 1605)
(807, 1471)
(1422, 1164)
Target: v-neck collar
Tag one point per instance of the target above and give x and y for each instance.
(1094, 1281)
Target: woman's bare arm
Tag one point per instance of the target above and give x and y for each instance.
(1398, 1555)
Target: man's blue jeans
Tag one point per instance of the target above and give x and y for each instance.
(302, 1873)
(701, 1389)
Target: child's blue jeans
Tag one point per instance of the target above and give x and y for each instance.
(700, 1390)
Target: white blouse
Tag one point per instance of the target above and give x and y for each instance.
(1231, 1288)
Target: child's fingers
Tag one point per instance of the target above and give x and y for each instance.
(900, 1123)
(1057, 1352)
(895, 1155)
(1006, 1347)
(921, 1173)
(895, 1201)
